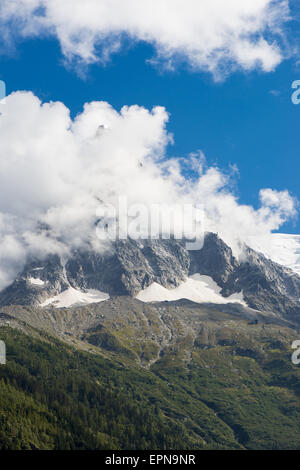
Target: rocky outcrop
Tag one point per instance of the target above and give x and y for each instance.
(134, 265)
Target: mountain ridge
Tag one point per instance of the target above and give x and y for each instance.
(135, 265)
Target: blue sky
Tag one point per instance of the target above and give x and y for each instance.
(247, 120)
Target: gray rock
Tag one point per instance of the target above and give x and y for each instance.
(134, 265)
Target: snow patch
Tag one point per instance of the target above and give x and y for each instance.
(36, 282)
(197, 288)
(282, 248)
(72, 297)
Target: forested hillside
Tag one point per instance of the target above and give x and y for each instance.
(230, 396)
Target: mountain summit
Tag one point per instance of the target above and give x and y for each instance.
(164, 269)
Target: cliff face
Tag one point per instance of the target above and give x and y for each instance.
(133, 266)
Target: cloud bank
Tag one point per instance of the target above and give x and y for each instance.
(211, 35)
(55, 172)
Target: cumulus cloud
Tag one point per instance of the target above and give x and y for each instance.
(55, 172)
(210, 35)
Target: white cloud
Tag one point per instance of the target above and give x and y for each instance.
(210, 35)
(54, 171)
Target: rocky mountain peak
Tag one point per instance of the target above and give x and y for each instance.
(134, 265)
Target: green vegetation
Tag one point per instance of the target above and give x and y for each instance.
(53, 397)
(232, 387)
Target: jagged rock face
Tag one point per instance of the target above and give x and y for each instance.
(24, 292)
(215, 259)
(134, 265)
(266, 285)
(87, 270)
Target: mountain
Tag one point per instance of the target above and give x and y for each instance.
(97, 359)
(124, 374)
(159, 270)
(282, 248)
